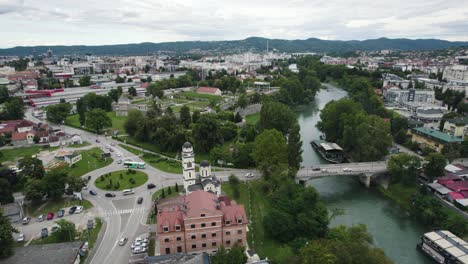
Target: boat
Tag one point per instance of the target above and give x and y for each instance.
(444, 247)
(330, 151)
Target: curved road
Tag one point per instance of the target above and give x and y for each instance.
(124, 217)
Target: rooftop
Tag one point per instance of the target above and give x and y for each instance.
(437, 135)
(45, 254)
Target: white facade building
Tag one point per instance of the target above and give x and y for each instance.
(456, 73)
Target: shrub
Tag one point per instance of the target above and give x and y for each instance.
(121, 176)
(108, 186)
(117, 186)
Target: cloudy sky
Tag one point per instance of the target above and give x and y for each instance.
(67, 22)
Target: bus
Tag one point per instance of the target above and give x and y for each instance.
(134, 165)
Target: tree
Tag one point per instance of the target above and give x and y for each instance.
(119, 79)
(404, 168)
(75, 184)
(195, 116)
(33, 190)
(278, 116)
(176, 187)
(97, 119)
(85, 81)
(400, 136)
(238, 118)
(58, 113)
(155, 90)
(270, 152)
(14, 108)
(81, 109)
(295, 148)
(6, 236)
(54, 183)
(399, 123)
(185, 118)
(6, 193)
(132, 91)
(133, 121)
(207, 132)
(115, 94)
(31, 168)
(4, 94)
(66, 231)
(242, 101)
(434, 165)
(235, 256)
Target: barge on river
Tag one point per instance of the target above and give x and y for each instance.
(331, 152)
(444, 247)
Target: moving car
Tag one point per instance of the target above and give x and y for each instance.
(97, 141)
(151, 185)
(119, 162)
(90, 224)
(316, 169)
(112, 144)
(324, 170)
(50, 216)
(127, 192)
(20, 237)
(249, 175)
(89, 177)
(140, 200)
(110, 194)
(347, 170)
(111, 150)
(72, 210)
(122, 241)
(44, 233)
(60, 213)
(26, 220)
(119, 155)
(79, 209)
(92, 192)
(41, 218)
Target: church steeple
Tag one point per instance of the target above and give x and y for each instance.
(188, 163)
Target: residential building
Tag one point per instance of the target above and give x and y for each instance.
(13, 211)
(434, 139)
(204, 180)
(456, 73)
(200, 222)
(397, 95)
(64, 253)
(209, 90)
(457, 127)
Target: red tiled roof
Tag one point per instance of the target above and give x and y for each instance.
(458, 186)
(464, 193)
(456, 196)
(25, 123)
(144, 85)
(19, 136)
(210, 90)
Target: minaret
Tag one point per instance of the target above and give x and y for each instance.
(188, 163)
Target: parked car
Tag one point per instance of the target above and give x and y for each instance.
(85, 187)
(151, 185)
(50, 216)
(26, 220)
(89, 177)
(72, 210)
(54, 229)
(347, 170)
(110, 194)
(98, 141)
(139, 250)
(140, 200)
(122, 241)
(119, 155)
(90, 224)
(139, 244)
(92, 192)
(20, 237)
(79, 209)
(44, 233)
(249, 175)
(119, 162)
(41, 218)
(112, 144)
(111, 150)
(61, 213)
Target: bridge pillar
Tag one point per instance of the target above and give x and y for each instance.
(366, 180)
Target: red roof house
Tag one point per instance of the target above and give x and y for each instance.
(209, 90)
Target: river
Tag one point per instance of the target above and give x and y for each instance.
(392, 229)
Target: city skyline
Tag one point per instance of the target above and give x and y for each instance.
(51, 22)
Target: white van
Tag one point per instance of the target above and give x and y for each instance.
(127, 192)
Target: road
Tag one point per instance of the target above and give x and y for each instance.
(342, 169)
(123, 215)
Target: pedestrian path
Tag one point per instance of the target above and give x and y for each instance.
(109, 213)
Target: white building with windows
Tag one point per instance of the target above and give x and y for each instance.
(204, 180)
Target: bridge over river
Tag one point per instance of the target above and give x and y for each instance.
(366, 170)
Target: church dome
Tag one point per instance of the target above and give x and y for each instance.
(187, 145)
(204, 163)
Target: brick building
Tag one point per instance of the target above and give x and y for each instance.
(200, 222)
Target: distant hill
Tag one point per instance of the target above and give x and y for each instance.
(249, 44)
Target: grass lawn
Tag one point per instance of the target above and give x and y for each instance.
(120, 180)
(91, 160)
(145, 145)
(252, 119)
(156, 161)
(54, 206)
(117, 121)
(166, 192)
(84, 144)
(18, 153)
(190, 95)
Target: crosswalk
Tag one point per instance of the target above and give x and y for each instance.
(109, 213)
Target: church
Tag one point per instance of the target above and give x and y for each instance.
(204, 180)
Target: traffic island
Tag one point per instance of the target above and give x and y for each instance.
(121, 180)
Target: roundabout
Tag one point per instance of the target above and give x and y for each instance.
(121, 180)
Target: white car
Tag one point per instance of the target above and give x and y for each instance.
(138, 250)
(119, 155)
(139, 244)
(79, 209)
(347, 170)
(249, 175)
(324, 170)
(20, 237)
(122, 241)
